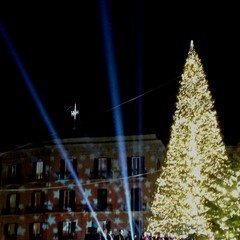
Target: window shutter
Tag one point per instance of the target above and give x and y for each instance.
(73, 227)
(109, 172)
(17, 201)
(129, 166)
(16, 228)
(42, 200)
(72, 200)
(19, 177)
(9, 171)
(61, 196)
(95, 168)
(6, 229)
(60, 230)
(32, 201)
(8, 202)
(44, 170)
(142, 165)
(62, 168)
(34, 170)
(74, 163)
(31, 230)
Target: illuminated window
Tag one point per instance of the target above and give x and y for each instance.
(102, 168)
(66, 229)
(67, 200)
(37, 201)
(13, 174)
(35, 231)
(102, 164)
(12, 171)
(11, 228)
(12, 202)
(10, 231)
(136, 166)
(36, 228)
(39, 172)
(64, 169)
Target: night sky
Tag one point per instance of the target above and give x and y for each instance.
(68, 53)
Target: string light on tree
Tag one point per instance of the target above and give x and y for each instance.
(192, 191)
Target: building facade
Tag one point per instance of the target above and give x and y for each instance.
(74, 188)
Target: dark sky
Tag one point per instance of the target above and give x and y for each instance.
(59, 49)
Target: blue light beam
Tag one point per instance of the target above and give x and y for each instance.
(117, 114)
(45, 117)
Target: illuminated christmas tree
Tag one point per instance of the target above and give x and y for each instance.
(193, 191)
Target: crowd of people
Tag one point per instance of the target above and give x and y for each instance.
(108, 235)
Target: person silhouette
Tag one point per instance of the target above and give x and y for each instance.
(120, 235)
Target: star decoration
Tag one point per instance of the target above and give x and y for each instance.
(56, 194)
(36, 217)
(117, 221)
(151, 170)
(88, 193)
(22, 218)
(93, 214)
(78, 228)
(147, 184)
(21, 206)
(87, 171)
(153, 158)
(89, 224)
(71, 186)
(117, 211)
(51, 220)
(117, 189)
(21, 231)
(80, 166)
(49, 205)
(44, 226)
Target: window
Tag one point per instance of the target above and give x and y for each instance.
(10, 231)
(64, 171)
(12, 203)
(35, 231)
(66, 230)
(136, 166)
(136, 199)
(36, 228)
(13, 173)
(12, 200)
(102, 168)
(102, 199)
(37, 201)
(39, 170)
(67, 200)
